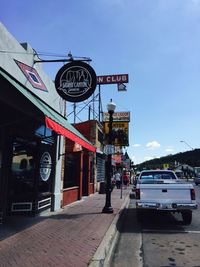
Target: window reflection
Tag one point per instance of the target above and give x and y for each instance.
(23, 162)
(43, 131)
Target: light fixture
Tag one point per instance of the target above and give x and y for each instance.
(108, 208)
(187, 144)
(111, 106)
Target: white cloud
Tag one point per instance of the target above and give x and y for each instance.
(136, 145)
(153, 145)
(169, 150)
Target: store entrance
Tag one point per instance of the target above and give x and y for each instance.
(22, 186)
(30, 185)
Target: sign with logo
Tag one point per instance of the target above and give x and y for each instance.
(117, 116)
(165, 166)
(76, 81)
(119, 132)
(32, 76)
(110, 79)
(45, 166)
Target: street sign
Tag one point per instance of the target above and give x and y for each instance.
(109, 149)
(111, 79)
(121, 87)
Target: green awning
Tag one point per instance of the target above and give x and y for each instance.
(53, 119)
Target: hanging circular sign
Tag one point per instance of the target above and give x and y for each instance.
(45, 166)
(76, 81)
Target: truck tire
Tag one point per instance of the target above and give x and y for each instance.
(187, 217)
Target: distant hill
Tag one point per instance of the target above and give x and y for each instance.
(191, 158)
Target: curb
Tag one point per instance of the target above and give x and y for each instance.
(103, 254)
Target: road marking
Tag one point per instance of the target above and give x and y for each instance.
(170, 231)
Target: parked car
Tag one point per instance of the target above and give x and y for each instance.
(197, 179)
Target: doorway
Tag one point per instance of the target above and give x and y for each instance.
(31, 176)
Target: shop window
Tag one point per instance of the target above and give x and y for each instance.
(100, 136)
(72, 170)
(92, 171)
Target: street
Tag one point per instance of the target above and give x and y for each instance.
(160, 240)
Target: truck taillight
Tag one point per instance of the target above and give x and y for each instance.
(192, 194)
(137, 193)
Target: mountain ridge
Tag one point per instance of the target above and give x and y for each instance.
(191, 158)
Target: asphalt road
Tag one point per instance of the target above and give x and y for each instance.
(160, 240)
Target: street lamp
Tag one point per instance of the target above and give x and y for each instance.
(108, 208)
(187, 145)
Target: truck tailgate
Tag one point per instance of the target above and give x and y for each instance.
(165, 192)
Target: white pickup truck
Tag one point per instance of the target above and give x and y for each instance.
(161, 190)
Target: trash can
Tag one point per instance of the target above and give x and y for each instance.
(102, 188)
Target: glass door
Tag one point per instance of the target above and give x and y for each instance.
(22, 186)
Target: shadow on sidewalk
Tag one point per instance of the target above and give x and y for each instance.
(72, 216)
(16, 224)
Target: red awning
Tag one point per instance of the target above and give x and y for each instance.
(65, 132)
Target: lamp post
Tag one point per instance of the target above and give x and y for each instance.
(187, 145)
(108, 208)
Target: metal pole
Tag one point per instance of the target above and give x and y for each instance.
(121, 184)
(74, 113)
(187, 145)
(108, 208)
(89, 112)
(99, 102)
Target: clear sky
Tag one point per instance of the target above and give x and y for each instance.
(157, 42)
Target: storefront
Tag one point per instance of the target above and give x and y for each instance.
(93, 131)
(32, 133)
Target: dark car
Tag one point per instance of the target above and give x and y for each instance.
(197, 179)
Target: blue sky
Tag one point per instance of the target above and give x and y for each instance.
(157, 42)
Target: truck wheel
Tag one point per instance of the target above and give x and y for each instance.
(187, 217)
(139, 215)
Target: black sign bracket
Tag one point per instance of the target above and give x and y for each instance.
(70, 59)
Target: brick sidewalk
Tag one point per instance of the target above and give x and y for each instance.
(67, 238)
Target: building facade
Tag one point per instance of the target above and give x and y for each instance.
(33, 133)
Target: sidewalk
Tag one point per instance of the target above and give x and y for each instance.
(74, 237)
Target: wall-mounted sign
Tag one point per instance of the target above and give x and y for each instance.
(32, 76)
(110, 79)
(117, 116)
(76, 81)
